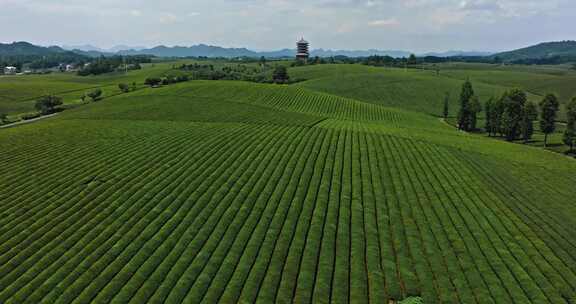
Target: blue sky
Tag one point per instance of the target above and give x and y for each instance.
(414, 25)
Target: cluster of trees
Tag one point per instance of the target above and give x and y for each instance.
(280, 75)
(167, 80)
(469, 108)
(569, 137)
(48, 104)
(36, 62)
(263, 73)
(94, 95)
(237, 72)
(512, 116)
(104, 65)
(125, 88)
(340, 59)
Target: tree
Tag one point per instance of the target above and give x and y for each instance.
(152, 81)
(47, 104)
(3, 118)
(446, 111)
(475, 108)
(488, 112)
(548, 111)
(513, 105)
(497, 114)
(412, 59)
(280, 74)
(529, 115)
(124, 88)
(95, 94)
(464, 114)
(569, 137)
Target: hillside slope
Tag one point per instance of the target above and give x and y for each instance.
(565, 49)
(233, 192)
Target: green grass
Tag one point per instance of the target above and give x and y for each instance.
(415, 90)
(18, 93)
(238, 193)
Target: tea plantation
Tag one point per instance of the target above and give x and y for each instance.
(233, 192)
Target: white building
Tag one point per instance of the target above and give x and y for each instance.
(10, 70)
(69, 68)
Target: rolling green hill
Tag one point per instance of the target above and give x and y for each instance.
(238, 193)
(560, 49)
(18, 93)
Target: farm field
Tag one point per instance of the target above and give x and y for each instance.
(424, 90)
(18, 93)
(233, 192)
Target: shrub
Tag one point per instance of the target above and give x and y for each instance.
(47, 104)
(152, 81)
(29, 116)
(95, 95)
(124, 88)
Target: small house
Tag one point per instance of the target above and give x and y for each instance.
(10, 70)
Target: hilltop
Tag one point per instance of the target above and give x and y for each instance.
(23, 48)
(560, 51)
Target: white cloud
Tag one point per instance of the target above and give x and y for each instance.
(426, 24)
(384, 22)
(168, 18)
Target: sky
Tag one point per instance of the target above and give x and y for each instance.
(411, 25)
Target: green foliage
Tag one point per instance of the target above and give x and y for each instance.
(468, 106)
(95, 94)
(529, 115)
(549, 107)
(3, 118)
(48, 104)
(490, 118)
(124, 88)
(29, 116)
(475, 108)
(153, 81)
(446, 109)
(280, 74)
(513, 105)
(103, 65)
(412, 300)
(569, 137)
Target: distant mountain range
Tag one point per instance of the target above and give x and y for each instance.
(203, 50)
(91, 48)
(458, 54)
(17, 51)
(562, 51)
(27, 49)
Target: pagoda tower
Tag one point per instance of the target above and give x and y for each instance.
(302, 48)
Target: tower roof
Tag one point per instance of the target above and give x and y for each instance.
(302, 41)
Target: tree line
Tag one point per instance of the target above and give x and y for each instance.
(512, 115)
